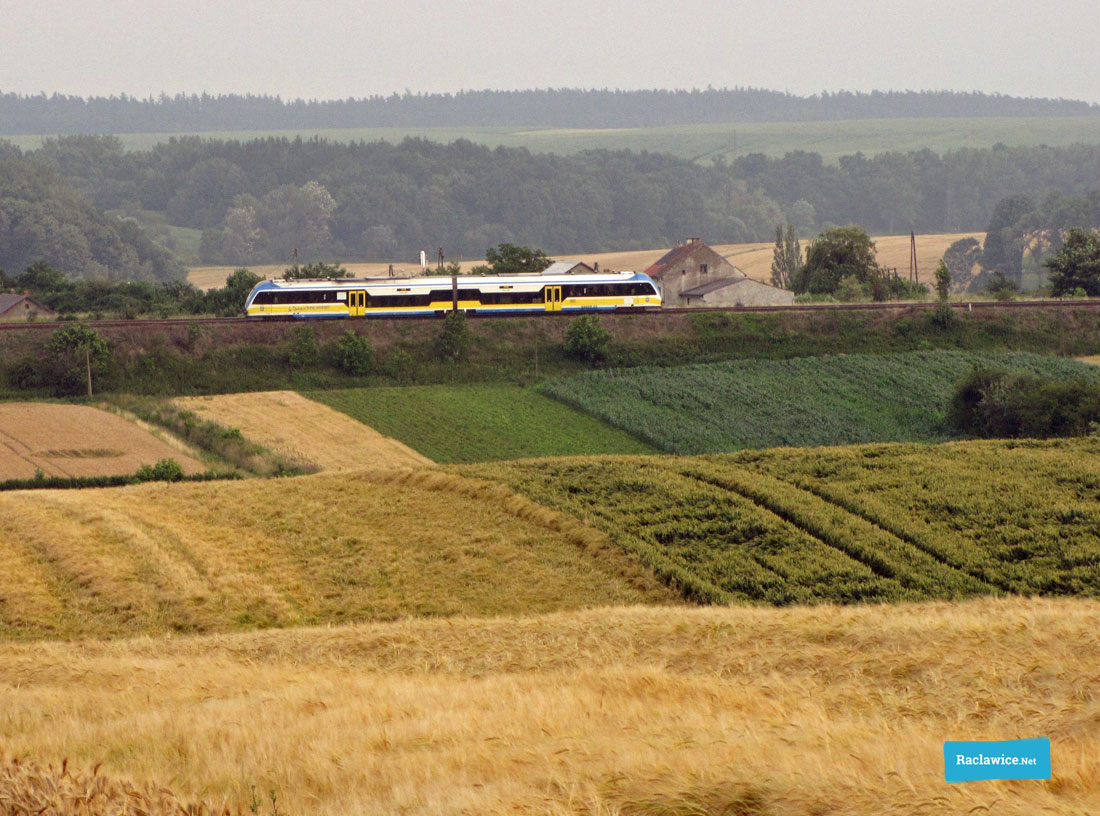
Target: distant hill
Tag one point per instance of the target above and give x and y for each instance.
(566, 107)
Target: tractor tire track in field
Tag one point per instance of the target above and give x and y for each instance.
(856, 509)
(835, 526)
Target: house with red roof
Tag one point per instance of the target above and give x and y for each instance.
(693, 274)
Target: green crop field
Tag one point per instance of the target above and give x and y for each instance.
(867, 523)
(703, 142)
(835, 400)
(479, 423)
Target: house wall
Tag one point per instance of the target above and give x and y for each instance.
(26, 310)
(689, 273)
(748, 292)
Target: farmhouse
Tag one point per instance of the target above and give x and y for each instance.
(569, 268)
(21, 307)
(693, 274)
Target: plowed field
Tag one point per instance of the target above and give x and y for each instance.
(291, 424)
(77, 440)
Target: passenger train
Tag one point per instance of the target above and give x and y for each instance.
(429, 295)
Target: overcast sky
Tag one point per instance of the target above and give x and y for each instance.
(338, 48)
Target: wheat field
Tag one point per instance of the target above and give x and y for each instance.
(607, 711)
(754, 259)
(77, 440)
(300, 428)
(217, 556)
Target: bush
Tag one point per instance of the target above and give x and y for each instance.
(851, 290)
(303, 348)
(944, 316)
(587, 339)
(998, 404)
(166, 470)
(453, 341)
(400, 365)
(354, 354)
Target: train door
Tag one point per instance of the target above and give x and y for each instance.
(553, 298)
(357, 303)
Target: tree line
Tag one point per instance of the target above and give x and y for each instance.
(551, 107)
(85, 205)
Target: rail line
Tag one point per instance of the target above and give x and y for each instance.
(963, 306)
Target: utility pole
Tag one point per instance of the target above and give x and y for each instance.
(913, 271)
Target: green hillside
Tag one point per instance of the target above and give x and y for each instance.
(832, 139)
(867, 523)
(480, 423)
(833, 400)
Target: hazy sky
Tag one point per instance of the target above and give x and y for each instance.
(338, 48)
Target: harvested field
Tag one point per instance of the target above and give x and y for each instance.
(770, 712)
(892, 251)
(77, 440)
(755, 260)
(300, 428)
(330, 548)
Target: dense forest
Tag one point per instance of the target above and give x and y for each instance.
(78, 201)
(58, 114)
(43, 217)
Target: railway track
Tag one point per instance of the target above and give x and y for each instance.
(961, 306)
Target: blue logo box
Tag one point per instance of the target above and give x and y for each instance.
(1011, 759)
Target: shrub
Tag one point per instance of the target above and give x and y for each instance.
(999, 404)
(453, 341)
(400, 365)
(944, 316)
(851, 290)
(354, 354)
(166, 470)
(587, 339)
(303, 348)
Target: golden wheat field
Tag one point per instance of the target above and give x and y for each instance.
(300, 428)
(77, 440)
(609, 711)
(217, 556)
(754, 259)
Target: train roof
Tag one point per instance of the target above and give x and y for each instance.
(444, 281)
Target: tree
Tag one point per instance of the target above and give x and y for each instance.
(316, 271)
(943, 281)
(84, 344)
(787, 258)
(960, 259)
(509, 259)
(834, 255)
(230, 300)
(1004, 244)
(587, 339)
(1077, 264)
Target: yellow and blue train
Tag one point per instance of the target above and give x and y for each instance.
(499, 295)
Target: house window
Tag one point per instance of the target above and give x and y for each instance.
(703, 268)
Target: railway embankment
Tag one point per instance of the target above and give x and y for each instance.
(184, 357)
